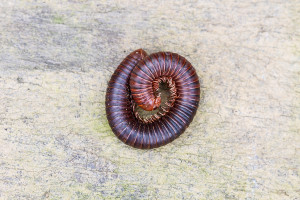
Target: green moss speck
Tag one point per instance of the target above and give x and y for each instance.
(58, 20)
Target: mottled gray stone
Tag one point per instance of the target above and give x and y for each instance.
(56, 58)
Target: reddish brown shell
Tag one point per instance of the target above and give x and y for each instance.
(135, 82)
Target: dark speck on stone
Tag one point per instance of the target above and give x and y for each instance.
(20, 80)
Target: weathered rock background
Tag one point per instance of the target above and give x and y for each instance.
(56, 58)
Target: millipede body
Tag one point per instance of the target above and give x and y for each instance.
(136, 83)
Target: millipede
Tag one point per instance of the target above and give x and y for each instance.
(135, 83)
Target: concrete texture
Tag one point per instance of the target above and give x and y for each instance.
(56, 58)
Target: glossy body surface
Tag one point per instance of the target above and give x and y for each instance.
(133, 82)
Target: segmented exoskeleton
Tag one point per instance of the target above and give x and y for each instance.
(136, 82)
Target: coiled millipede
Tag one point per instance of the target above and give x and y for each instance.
(136, 82)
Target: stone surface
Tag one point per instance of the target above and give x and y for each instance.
(56, 58)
